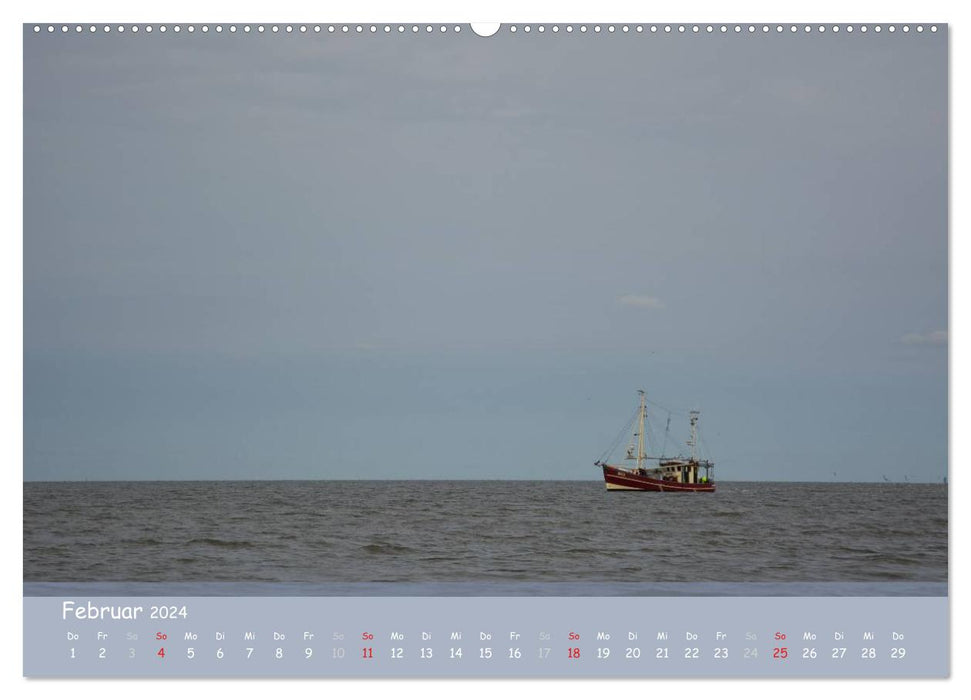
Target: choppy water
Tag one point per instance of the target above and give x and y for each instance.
(420, 531)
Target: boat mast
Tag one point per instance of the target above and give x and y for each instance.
(640, 429)
(693, 440)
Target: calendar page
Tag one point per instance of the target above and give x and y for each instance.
(516, 350)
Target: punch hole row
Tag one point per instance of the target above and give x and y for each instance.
(513, 28)
(250, 28)
(717, 28)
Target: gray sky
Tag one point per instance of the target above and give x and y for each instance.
(454, 257)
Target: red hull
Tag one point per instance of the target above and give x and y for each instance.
(624, 480)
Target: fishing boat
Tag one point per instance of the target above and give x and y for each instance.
(680, 474)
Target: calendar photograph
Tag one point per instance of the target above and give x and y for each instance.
(584, 309)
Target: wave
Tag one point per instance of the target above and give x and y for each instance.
(228, 544)
(385, 548)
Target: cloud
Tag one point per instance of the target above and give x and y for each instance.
(640, 301)
(932, 338)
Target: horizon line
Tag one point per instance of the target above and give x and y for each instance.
(732, 481)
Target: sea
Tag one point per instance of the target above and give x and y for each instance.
(481, 531)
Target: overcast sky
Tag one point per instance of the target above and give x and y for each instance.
(316, 256)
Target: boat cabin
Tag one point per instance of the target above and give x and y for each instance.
(684, 471)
